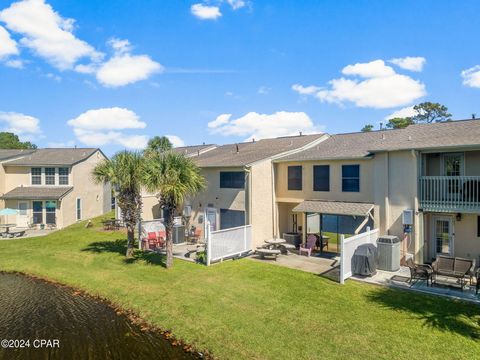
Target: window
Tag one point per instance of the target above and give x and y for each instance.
(351, 178)
(49, 176)
(63, 176)
(36, 176)
(79, 209)
(231, 218)
(50, 208)
(294, 178)
(37, 212)
(321, 178)
(232, 179)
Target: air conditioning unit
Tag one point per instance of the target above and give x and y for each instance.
(178, 235)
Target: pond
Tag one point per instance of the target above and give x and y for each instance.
(72, 326)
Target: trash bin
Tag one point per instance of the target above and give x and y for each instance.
(388, 247)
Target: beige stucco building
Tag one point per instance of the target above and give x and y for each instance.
(240, 187)
(421, 184)
(52, 187)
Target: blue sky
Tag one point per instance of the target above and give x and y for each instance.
(114, 73)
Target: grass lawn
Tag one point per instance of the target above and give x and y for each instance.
(249, 310)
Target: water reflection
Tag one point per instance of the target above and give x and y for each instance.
(86, 329)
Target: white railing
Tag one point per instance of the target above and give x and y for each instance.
(449, 193)
(348, 247)
(227, 243)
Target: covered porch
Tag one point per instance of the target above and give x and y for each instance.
(37, 207)
(328, 220)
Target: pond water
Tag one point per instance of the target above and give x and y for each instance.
(85, 328)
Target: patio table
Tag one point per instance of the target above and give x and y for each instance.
(7, 227)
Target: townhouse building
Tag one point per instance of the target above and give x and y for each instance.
(52, 187)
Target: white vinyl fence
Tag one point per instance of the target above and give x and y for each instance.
(227, 243)
(348, 247)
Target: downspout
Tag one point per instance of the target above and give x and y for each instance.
(248, 195)
(274, 203)
(387, 194)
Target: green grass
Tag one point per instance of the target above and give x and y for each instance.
(250, 310)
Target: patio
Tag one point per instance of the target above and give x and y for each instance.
(400, 279)
(29, 233)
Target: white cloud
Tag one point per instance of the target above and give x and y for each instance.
(47, 34)
(16, 63)
(205, 12)
(175, 140)
(260, 126)
(373, 69)
(126, 69)
(8, 46)
(412, 63)
(402, 113)
(263, 90)
(237, 4)
(305, 90)
(99, 127)
(381, 87)
(471, 77)
(120, 46)
(61, 144)
(25, 126)
(220, 120)
(108, 118)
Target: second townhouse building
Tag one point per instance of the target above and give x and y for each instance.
(52, 187)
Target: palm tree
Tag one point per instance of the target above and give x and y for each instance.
(158, 144)
(124, 172)
(174, 177)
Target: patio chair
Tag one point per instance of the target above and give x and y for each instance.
(196, 234)
(311, 243)
(419, 271)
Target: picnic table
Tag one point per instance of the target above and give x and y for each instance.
(279, 245)
(7, 227)
(111, 224)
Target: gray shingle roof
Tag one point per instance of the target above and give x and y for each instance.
(452, 134)
(334, 207)
(11, 153)
(194, 149)
(37, 193)
(250, 152)
(67, 156)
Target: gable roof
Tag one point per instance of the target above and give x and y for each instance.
(461, 133)
(193, 150)
(58, 156)
(6, 154)
(241, 154)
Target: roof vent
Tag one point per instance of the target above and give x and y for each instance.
(236, 148)
(300, 133)
(383, 136)
(409, 137)
(474, 116)
(253, 139)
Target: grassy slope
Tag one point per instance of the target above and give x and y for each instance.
(246, 309)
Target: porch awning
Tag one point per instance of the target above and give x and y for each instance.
(37, 193)
(334, 207)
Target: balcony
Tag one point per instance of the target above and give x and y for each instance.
(450, 193)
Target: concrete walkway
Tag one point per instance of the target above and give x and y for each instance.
(313, 264)
(30, 233)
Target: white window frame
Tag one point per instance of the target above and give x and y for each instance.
(68, 175)
(31, 175)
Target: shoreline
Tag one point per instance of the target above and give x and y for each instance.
(134, 318)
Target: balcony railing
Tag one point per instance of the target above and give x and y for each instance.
(450, 193)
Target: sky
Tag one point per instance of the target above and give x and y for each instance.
(112, 74)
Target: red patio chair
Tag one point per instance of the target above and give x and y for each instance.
(311, 242)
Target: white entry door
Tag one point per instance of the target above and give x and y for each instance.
(211, 216)
(443, 235)
(22, 216)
